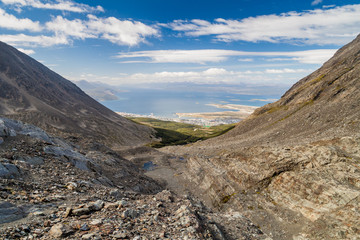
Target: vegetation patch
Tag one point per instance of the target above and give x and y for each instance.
(177, 133)
(227, 198)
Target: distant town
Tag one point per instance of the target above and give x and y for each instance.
(195, 121)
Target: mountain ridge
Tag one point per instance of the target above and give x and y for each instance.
(31, 92)
(321, 95)
(292, 167)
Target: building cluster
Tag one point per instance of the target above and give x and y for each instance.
(195, 121)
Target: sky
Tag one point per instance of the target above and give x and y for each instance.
(253, 45)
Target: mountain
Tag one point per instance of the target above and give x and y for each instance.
(322, 105)
(31, 92)
(292, 167)
(99, 91)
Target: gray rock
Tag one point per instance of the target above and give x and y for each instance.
(119, 235)
(11, 128)
(88, 236)
(103, 181)
(60, 230)
(96, 206)
(4, 172)
(122, 203)
(84, 227)
(1, 140)
(130, 213)
(76, 158)
(8, 170)
(116, 194)
(10, 212)
(34, 160)
(96, 222)
(38, 213)
(80, 211)
(4, 130)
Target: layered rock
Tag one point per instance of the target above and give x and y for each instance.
(293, 166)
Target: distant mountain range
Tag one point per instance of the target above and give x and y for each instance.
(31, 92)
(99, 91)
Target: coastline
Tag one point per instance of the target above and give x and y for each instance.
(205, 118)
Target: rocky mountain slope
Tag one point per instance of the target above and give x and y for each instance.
(31, 92)
(322, 105)
(293, 167)
(52, 189)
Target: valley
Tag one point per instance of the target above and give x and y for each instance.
(71, 168)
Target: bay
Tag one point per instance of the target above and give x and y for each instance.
(165, 103)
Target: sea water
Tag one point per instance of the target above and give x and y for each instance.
(165, 103)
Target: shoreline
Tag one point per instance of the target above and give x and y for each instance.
(205, 118)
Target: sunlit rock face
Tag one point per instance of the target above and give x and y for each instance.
(292, 167)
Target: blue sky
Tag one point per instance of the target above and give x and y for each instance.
(245, 44)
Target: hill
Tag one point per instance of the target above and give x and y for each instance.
(292, 167)
(31, 92)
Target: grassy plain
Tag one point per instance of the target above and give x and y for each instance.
(177, 133)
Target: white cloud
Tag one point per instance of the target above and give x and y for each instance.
(245, 60)
(263, 100)
(180, 56)
(316, 2)
(285, 70)
(337, 25)
(74, 28)
(63, 5)
(9, 21)
(208, 76)
(26, 51)
(34, 41)
(121, 32)
(64, 31)
(217, 55)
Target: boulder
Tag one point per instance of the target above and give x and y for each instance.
(8, 170)
(60, 231)
(10, 212)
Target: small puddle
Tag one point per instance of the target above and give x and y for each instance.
(149, 166)
(178, 158)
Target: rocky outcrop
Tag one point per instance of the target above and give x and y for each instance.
(294, 191)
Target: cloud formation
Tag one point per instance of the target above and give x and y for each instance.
(316, 2)
(63, 5)
(330, 25)
(9, 21)
(71, 28)
(208, 76)
(26, 51)
(63, 31)
(31, 41)
(217, 55)
(336, 25)
(121, 32)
